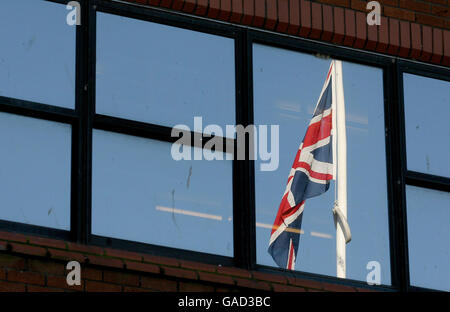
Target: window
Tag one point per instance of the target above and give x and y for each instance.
(427, 196)
(428, 233)
(161, 76)
(286, 95)
(38, 53)
(35, 151)
(37, 101)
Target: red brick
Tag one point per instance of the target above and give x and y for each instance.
(47, 267)
(339, 288)
(136, 289)
(294, 17)
(12, 262)
(34, 240)
(283, 15)
(234, 272)
(103, 261)
(214, 8)
(394, 36)
(339, 25)
(372, 37)
(189, 6)
(350, 27)
(260, 13)
(437, 46)
(66, 255)
(270, 277)
(327, 33)
(285, 288)
(405, 39)
(398, 13)
(225, 9)
(430, 20)
(194, 287)
(416, 41)
(249, 11)
(180, 273)
(446, 58)
(361, 30)
(202, 7)
(91, 274)
(427, 43)
(161, 260)
(154, 2)
(13, 237)
(11, 287)
(92, 286)
(252, 284)
(215, 278)
(359, 5)
(383, 35)
(271, 18)
(28, 250)
(309, 284)
(85, 249)
(121, 278)
(199, 266)
(440, 11)
(124, 254)
(61, 282)
(305, 18)
(316, 20)
(415, 5)
(158, 283)
(177, 5)
(34, 288)
(26, 277)
(143, 267)
(236, 11)
(2, 274)
(165, 3)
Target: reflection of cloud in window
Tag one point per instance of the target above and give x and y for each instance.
(190, 213)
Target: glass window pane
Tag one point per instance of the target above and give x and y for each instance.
(35, 151)
(427, 127)
(163, 75)
(428, 234)
(287, 86)
(37, 54)
(140, 193)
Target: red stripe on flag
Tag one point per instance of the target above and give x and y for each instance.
(318, 131)
(284, 211)
(290, 265)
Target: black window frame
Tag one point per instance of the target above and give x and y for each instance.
(83, 120)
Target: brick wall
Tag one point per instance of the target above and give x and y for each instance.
(411, 29)
(35, 264)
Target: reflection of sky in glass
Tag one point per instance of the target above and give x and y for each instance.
(286, 87)
(139, 193)
(428, 234)
(37, 54)
(163, 75)
(35, 171)
(427, 108)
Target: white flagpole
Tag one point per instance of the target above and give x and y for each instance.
(341, 181)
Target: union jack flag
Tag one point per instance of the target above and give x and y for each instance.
(309, 177)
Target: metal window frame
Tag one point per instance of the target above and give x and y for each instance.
(83, 120)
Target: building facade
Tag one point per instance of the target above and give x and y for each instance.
(91, 91)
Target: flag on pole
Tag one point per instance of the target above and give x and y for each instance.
(310, 176)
